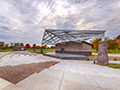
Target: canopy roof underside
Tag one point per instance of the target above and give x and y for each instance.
(54, 36)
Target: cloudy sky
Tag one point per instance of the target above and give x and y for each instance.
(25, 20)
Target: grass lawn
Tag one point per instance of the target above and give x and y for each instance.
(112, 65)
(110, 52)
(114, 52)
(94, 51)
(30, 50)
(38, 50)
(7, 50)
(53, 50)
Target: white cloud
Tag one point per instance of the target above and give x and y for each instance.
(25, 20)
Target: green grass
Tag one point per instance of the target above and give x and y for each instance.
(110, 52)
(30, 50)
(94, 51)
(53, 50)
(48, 50)
(114, 52)
(7, 50)
(38, 50)
(112, 65)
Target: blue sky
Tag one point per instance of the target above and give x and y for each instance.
(25, 20)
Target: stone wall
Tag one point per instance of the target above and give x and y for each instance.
(102, 53)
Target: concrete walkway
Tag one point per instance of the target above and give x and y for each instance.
(5, 85)
(67, 75)
(73, 76)
(17, 58)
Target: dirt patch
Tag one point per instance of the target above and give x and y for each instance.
(14, 74)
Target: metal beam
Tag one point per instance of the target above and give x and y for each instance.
(52, 36)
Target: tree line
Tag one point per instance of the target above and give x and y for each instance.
(112, 44)
(4, 45)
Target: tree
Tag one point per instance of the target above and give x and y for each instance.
(112, 44)
(16, 44)
(45, 46)
(6, 45)
(21, 44)
(11, 45)
(27, 46)
(52, 46)
(37, 46)
(2, 43)
(118, 41)
(96, 43)
(118, 37)
(34, 46)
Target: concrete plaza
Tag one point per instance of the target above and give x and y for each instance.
(66, 75)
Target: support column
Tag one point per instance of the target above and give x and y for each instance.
(41, 51)
(102, 57)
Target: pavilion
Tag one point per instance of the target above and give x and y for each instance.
(71, 44)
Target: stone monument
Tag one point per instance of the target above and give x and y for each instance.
(102, 53)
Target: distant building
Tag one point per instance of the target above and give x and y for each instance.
(71, 47)
(2, 48)
(19, 48)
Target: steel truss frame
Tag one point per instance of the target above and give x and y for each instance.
(54, 36)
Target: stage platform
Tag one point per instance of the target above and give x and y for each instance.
(66, 56)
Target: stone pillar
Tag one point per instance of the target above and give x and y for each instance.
(41, 50)
(102, 57)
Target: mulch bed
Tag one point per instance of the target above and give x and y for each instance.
(14, 74)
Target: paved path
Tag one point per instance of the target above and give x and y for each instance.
(5, 85)
(73, 76)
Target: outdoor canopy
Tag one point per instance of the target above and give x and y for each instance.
(54, 36)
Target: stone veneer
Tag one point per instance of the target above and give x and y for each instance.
(102, 53)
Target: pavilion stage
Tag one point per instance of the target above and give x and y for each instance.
(66, 56)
